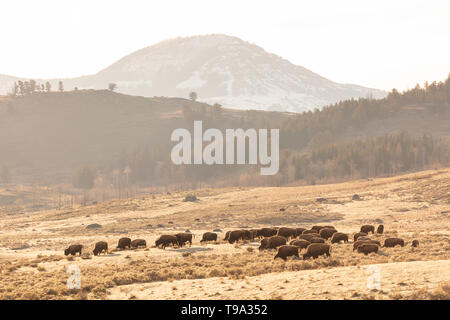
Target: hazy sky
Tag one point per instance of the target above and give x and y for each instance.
(379, 44)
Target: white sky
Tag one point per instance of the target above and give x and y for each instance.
(378, 44)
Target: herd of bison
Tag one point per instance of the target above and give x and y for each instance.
(313, 240)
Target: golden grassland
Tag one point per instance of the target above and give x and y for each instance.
(413, 206)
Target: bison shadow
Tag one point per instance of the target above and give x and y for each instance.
(190, 249)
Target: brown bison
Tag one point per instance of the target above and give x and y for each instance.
(138, 243)
(166, 240)
(380, 229)
(227, 235)
(338, 237)
(124, 243)
(209, 236)
(367, 228)
(317, 249)
(272, 242)
(183, 238)
(73, 249)
(310, 232)
(415, 243)
(287, 251)
(367, 248)
(359, 242)
(302, 244)
(392, 242)
(100, 247)
(299, 231)
(359, 234)
(327, 233)
(287, 232)
(266, 232)
(236, 235)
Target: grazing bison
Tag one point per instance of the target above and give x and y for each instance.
(166, 240)
(310, 232)
(317, 249)
(380, 229)
(183, 238)
(338, 237)
(287, 251)
(359, 234)
(287, 232)
(138, 243)
(272, 242)
(302, 244)
(266, 232)
(209, 236)
(327, 233)
(299, 231)
(367, 248)
(73, 249)
(236, 235)
(392, 242)
(360, 242)
(415, 243)
(368, 228)
(124, 243)
(317, 240)
(100, 247)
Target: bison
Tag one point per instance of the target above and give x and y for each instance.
(266, 232)
(166, 240)
(415, 243)
(272, 242)
(317, 249)
(392, 242)
(287, 232)
(138, 243)
(359, 234)
(302, 244)
(236, 235)
(367, 228)
(327, 233)
(367, 248)
(338, 237)
(380, 229)
(100, 247)
(183, 238)
(73, 249)
(209, 236)
(124, 243)
(287, 251)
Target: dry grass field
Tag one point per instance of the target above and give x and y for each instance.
(412, 206)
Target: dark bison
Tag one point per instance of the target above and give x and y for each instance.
(415, 243)
(338, 237)
(380, 229)
(166, 240)
(359, 234)
(266, 232)
(138, 243)
(272, 242)
(287, 232)
(392, 242)
(100, 247)
(327, 233)
(317, 249)
(310, 232)
(236, 235)
(73, 250)
(287, 251)
(359, 242)
(209, 236)
(183, 238)
(124, 243)
(367, 228)
(367, 248)
(302, 244)
(299, 231)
